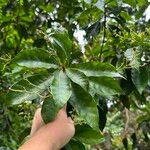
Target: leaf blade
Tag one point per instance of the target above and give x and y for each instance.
(35, 58)
(87, 135)
(97, 69)
(49, 110)
(77, 77)
(140, 78)
(84, 103)
(104, 86)
(28, 89)
(61, 43)
(61, 88)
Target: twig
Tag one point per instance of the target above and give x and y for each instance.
(104, 33)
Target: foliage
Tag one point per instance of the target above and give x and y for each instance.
(105, 82)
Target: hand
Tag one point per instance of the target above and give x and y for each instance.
(51, 136)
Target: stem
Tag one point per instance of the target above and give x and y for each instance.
(104, 33)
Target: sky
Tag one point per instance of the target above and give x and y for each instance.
(147, 12)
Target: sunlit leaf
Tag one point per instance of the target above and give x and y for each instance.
(35, 58)
(60, 88)
(97, 69)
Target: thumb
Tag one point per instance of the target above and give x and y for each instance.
(37, 121)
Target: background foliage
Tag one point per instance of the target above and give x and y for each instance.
(106, 78)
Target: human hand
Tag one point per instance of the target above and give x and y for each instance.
(51, 136)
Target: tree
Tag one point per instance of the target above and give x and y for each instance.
(41, 61)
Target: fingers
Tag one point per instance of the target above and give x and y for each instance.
(37, 121)
(65, 107)
(62, 114)
(70, 120)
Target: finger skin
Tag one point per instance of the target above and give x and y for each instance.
(37, 121)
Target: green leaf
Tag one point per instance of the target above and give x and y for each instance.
(35, 58)
(77, 77)
(125, 143)
(125, 15)
(49, 110)
(127, 84)
(85, 105)
(87, 135)
(102, 110)
(97, 69)
(93, 30)
(61, 43)
(24, 134)
(47, 8)
(104, 86)
(61, 88)
(130, 2)
(142, 2)
(28, 89)
(140, 78)
(141, 11)
(143, 5)
(132, 57)
(74, 145)
(84, 16)
(143, 118)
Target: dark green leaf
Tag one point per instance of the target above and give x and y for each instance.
(104, 86)
(87, 135)
(127, 84)
(77, 77)
(61, 88)
(102, 109)
(85, 105)
(140, 78)
(28, 89)
(49, 110)
(24, 134)
(93, 30)
(47, 8)
(83, 17)
(61, 43)
(125, 143)
(97, 69)
(142, 9)
(74, 145)
(35, 58)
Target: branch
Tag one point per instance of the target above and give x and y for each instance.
(104, 33)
